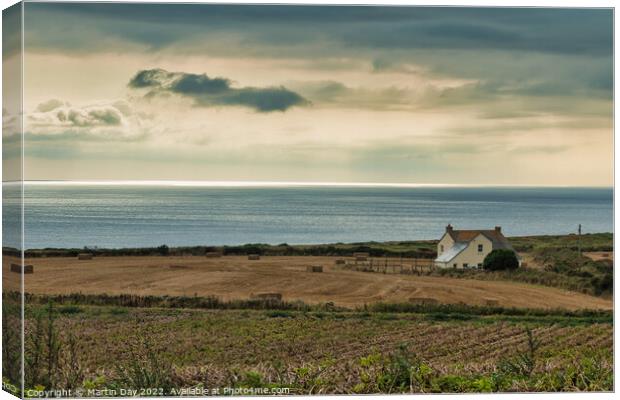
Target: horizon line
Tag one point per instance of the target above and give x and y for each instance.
(210, 183)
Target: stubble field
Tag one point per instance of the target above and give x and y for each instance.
(236, 277)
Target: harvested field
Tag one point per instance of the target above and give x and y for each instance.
(236, 277)
(11, 282)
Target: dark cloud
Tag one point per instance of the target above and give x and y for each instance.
(538, 53)
(547, 30)
(206, 91)
(11, 30)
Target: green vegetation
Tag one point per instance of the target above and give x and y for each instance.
(418, 249)
(501, 259)
(378, 350)
(74, 304)
(11, 341)
(587, 242)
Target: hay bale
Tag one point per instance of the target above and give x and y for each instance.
(253, 257)
(605, 255)
(314, 268)
(28, 269)
(85, 256)
(340, 261)
(266, 296)
(423, 301)
(491, 302)
(361, 254)
(214, 254)
(361, 258)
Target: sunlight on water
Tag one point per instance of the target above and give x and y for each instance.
(133, 216)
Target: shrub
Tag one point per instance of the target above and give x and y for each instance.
(145, 368)
(70, 309)
(163, 250)
(501, 259)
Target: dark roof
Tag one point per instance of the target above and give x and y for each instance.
(495, 236)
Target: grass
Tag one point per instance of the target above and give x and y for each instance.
(588, 242)
(352, 351)
(596, 284)
(74, 304)
(11, 342)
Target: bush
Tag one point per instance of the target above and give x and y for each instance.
(500, 259)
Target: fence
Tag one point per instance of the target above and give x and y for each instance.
(386, 265)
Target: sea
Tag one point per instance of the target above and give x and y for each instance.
(121, 216)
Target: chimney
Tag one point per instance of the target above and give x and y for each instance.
(498, 229)
(449, 228)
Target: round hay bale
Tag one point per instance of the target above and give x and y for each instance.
(266, 296)
(423, 300)
(17, 268)
(491, 302)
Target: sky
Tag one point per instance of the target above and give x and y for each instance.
(316, 94)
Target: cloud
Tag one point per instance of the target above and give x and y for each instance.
(58, 113)
(50, 105)
(206, 91)
(548, 30)
(59, 120)
(10, 123)
(11, 31)
(337, 94)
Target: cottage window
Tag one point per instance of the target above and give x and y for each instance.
(479, 265)
(441, 248)
(465, 265)
(480, 247)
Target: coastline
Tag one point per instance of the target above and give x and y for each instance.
(598, 241)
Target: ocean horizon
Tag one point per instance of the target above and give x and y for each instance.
(120, 216)
(256, 183)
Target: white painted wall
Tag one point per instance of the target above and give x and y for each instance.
(470, 256)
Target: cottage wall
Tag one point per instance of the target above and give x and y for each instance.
(444, 244)
(471, 257)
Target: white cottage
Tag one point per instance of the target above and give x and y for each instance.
(468, 248)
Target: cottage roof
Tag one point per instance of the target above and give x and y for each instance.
(452, 252)
(496, 237)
